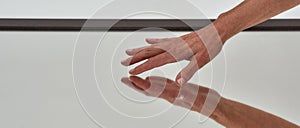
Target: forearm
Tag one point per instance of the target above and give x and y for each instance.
(248, 14)
(232, 114)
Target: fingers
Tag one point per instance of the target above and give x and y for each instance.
(162, 80)
(194, 97)
(131, 52)
(126, 81)
(142, 55)
(134, 51)
(159, 87)
(169, 91)
(153, 62)
(139, 82)
(153, 40)
(198, 61)
(153, 88)
(157, 46)
(175, 54)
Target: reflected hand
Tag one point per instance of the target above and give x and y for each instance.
(198, 47)
(190, 96)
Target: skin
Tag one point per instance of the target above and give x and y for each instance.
(228, 113)
(200, 47)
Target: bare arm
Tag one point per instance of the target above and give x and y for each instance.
(250, 13)
(247, 14)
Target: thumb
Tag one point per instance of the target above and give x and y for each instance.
(187, 73)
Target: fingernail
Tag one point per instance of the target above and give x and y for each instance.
(129, 50)
(124, 62)
(150, 39)
(131, 71)
(180, 81)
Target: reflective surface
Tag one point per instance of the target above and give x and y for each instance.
(37, 90)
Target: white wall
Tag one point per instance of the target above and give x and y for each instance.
(117, 8)
(36, 85)
(37, 88)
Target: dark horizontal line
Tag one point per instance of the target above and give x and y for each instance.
(132, 24)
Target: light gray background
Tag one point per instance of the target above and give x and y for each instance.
(86, 8)
(37, 88)
(36, 67)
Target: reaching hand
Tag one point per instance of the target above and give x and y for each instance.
(199, 47)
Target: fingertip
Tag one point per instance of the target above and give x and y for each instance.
(139, 82)
(134, 78)
(124, 79)
(135, 71)
(178, 76)
(124, 63)
(180, 81)
(151, 40)
(132, 72)
(148, 39)
(127, 61)
(131, 77)
(177, 81)
(128, 52)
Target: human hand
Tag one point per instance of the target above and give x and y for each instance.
(190, 96)
(199, 47)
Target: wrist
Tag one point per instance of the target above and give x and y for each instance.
(226, 26)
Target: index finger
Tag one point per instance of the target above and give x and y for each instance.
(153, 62)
